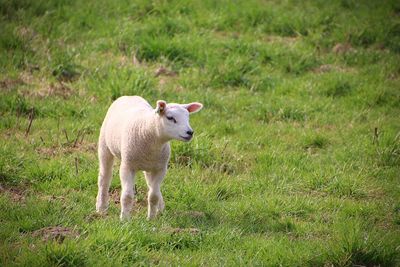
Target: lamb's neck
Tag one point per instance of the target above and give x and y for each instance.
(150, 134)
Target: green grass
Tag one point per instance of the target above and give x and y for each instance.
(296, 157)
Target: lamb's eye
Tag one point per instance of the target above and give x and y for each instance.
(171, 119)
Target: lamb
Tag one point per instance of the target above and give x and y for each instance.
(139, 135)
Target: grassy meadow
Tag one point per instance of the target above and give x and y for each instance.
(296, 156)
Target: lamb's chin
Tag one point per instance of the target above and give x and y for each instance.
(185, 139)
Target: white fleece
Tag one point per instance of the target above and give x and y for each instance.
(139, 135)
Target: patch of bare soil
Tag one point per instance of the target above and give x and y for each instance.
(59, 90)
(114, 196)
(137, 204)
(55, 150)
(57, 233)
(342, 48)
(16, 194)
(52, 198)
(47, 152)
(165, 75)
(10, 84)
(125, 60)
(287, 40)
(93, 99)
(94, 216)
(177, 230)
(163, 71)
(28, 78)
(26, 33)
(42, 89)
(324, 68)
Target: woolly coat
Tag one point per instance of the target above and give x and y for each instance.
(131, 131)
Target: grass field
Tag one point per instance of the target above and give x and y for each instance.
(296, 158)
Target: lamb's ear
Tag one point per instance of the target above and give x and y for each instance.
(193, 107)
(161, 105)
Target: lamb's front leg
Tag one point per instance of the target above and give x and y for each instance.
(155, 199)
(106, 160)
(127, 176)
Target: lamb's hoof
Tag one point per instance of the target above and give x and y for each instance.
(125, 217)
(151, 217)
(101, 206)
(101, 211)
(161, 207)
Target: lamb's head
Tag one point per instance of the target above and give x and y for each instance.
(174, 119)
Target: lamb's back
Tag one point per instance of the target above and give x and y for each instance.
(122, 114)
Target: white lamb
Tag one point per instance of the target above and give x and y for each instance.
(139, 135)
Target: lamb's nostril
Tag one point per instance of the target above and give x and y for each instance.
(189, 132)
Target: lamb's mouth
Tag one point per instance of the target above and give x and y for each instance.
(187, 138)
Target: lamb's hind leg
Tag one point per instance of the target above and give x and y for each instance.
(155, 199)
(106, 160)
(127, 194)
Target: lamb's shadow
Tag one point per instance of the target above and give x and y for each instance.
(262, 223)
(193, 218)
